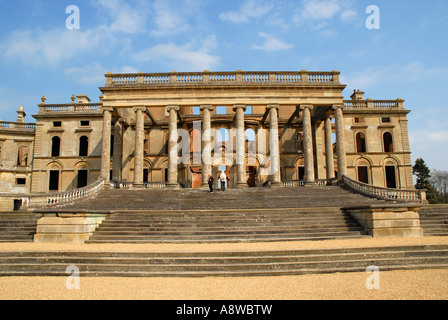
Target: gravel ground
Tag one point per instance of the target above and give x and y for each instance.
(395, 285)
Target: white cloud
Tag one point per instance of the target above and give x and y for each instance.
(168, 18)
(317, 10)
(271, 43)
(37, 47)
(124, 17)
(438, 136)
(94, 74)
(349, 14)
(192, 56)
(249, 10)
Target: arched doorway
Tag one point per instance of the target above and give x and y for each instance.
(391, 175)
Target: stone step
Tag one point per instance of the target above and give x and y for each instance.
(218, 231)
(235, 263)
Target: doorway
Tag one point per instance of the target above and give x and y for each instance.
(363, 175)
(82, 178)
(391, 179)
(251, 175)
(54, 180)
(226, 183)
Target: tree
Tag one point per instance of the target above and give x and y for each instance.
(439, 180)
(421, 170)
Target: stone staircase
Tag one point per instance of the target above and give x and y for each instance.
(188, 199)
(434, 220)
(222, 264)
(238, 225)
(195, 216)
(17, 226)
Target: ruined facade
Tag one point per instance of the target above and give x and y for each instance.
(176, 129)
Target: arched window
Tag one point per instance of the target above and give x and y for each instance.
(83, 146)
(388, 142)
(55, 146)
(22, 157)
(360, 143)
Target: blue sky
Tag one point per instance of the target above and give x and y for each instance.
(406, 58)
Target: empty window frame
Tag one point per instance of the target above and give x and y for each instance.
(388, 142)
(55, 146)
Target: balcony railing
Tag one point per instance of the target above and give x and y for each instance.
(70, 108)
(401, 195)
(146, 185)
(210, 78)
(374, 104)
(19, 126)
(41, 201)
(301, 183)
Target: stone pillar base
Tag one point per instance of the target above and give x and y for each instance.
(240, 185)
(276, 184)
(389, 221)
(76, 228)
(172, 186)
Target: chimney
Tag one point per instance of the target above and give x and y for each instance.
(21, 115)
(83, 99)
(357, 95)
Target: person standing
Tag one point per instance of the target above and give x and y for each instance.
(210, 182)
(223, 178)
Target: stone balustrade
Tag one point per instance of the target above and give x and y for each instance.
(206, 77)
(70, 108)
(146, 185)
(15, 125)
(40, 201)
(375, 104)
(301, 183)
(401, 195)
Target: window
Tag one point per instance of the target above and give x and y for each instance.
(54, 180)
(359, 120)
(300, 141)
(391, 181)
(388, 142)
(21, 181)
(57, 124)
(363, 174)
(221, 110)
(82, 178)
(196, 111)
(22, 157)
(360, 143)
(83, 146)
(85, 123)
(55, 146)
(385, 120)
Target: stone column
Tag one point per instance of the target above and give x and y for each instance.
(274, 146)
(139, 146)
(240, 146)
(308, 145)
(105, 153)
(118, 151)
(172, 148)
(340, 141)
(329, 149)
(206, 144)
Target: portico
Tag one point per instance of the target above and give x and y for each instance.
(163, 111)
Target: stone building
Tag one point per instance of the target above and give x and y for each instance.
(175, 129)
